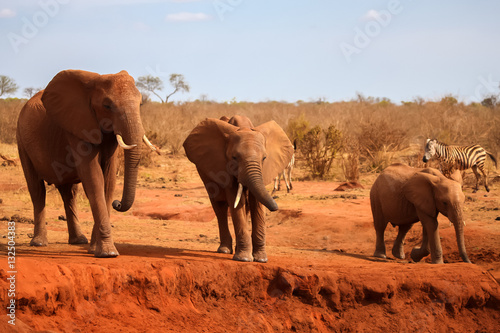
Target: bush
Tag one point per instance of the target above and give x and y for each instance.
(319, 148)
(378, 141)
(297, 128)
(9, 112)
(350, 159)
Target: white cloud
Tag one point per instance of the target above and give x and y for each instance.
(6, 12)
(372, 14)
(187, 17)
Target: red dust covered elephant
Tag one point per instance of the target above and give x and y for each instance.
(235, 161)
(69, 133)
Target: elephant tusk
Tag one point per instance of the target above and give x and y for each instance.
(150, 145)
(123, 144)
(238, 195)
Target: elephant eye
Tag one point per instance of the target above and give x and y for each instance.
(107, 106)
(263, 158)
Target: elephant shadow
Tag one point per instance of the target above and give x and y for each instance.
(132, 250)
(352, 255)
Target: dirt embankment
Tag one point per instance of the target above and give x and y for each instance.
(191, 291)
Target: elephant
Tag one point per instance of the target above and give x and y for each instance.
(235, 160)
(68, 133)
(403, 196)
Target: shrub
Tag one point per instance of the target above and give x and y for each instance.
(378, 141)
(350, 159)
(319, 148)
(9, 112)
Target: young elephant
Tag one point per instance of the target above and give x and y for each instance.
(235, 163)
(403, 195)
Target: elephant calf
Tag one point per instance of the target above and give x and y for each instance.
(235, 160)
(403, 195)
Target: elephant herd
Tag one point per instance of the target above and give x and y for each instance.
(69, 133)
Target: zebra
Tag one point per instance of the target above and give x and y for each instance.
(287, 173)
(462, 157)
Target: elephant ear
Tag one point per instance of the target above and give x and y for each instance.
(279, 150)
(419, 190)
(67, 101)
(205, 146)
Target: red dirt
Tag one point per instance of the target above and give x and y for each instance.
(320, 276)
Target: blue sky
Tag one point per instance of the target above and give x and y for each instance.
(258, 50)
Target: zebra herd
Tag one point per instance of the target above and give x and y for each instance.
(456, 157)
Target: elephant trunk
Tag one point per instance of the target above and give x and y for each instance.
(132, 158)
(131, 143)
(459, 223)
(255, 183)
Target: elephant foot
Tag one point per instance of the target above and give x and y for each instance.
(438, 261)
(243, 256)
(417, 255)
(398, 253)
(260, 256)
(380, 254)
(39, 241)
(78, 240)
(106, 251)
(225, 249)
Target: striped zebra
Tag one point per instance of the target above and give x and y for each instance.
(287, 173)
(462, 157)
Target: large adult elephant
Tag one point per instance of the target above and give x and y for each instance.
(235, 163)
(69, 133)
(403, 196)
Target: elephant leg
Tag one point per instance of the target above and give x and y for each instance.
(37, 193)
(36, 188)
(109, 167)
(68, 193)
(226, 241)
(380, 223)
(93, 183)
(478, 177)
(257, 214)
(417, 253)
(398, 249)
(243, 251)
(431, 229)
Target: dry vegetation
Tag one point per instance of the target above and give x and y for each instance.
(374, 133)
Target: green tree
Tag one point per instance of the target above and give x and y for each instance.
(7, 85)
(177, 81)
(150, 83)
(154, 84)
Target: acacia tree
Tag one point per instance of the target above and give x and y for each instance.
(30, 91)
(7, 85)
(152, 84)
(177, 81)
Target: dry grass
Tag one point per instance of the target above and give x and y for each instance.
(9, 112)
(380, 132)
